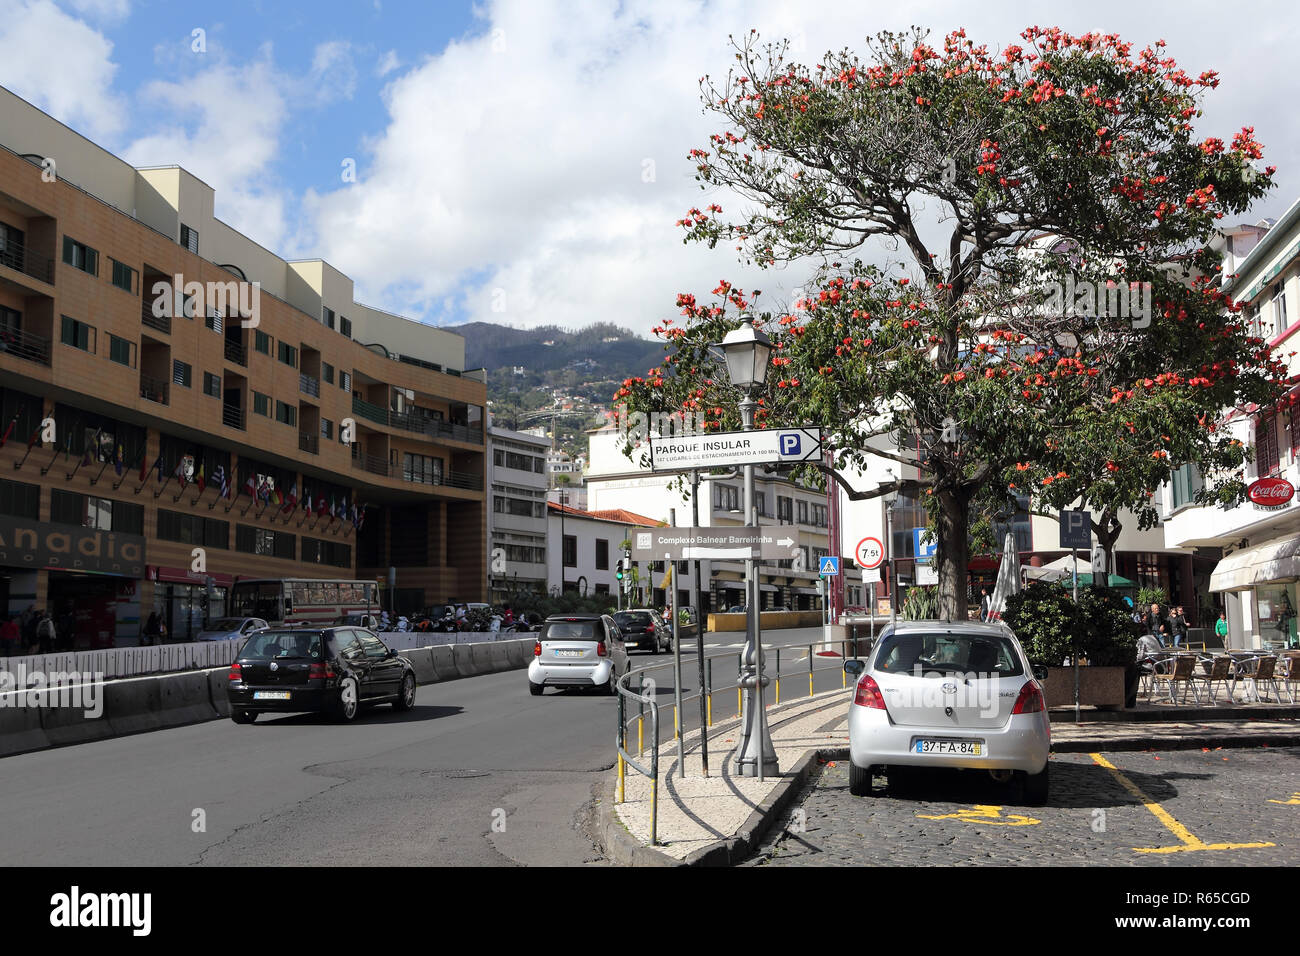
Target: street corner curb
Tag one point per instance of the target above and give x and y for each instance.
(1212, 741)
(618, 844)
(746, 841)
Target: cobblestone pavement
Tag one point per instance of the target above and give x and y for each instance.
(1215, 800)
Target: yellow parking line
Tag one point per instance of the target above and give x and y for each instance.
(1189, 840)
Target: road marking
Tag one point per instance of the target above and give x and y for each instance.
(1189, 840)
(1293, 802)
(984, 813)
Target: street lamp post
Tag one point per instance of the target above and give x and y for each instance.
(746, 351)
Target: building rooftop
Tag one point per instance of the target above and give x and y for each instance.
(616, 515)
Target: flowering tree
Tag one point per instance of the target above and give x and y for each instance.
(1067, 319)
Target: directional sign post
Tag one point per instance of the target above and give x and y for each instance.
(726, 449)
(719, 544)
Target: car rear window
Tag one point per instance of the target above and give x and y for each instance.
(571, 631)
(281, 645)
(938, 653)
(634, 618)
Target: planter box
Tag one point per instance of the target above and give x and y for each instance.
(1098, 687)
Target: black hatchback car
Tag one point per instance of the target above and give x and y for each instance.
(331, 670)
(644, 630)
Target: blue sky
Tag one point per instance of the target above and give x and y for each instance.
(518, 161)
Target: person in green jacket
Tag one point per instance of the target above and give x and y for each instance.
(1221, 628)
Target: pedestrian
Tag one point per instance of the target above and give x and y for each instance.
(1221, 628)
(11, 636)
(986, 604)
(46, 633)
(152, 629)
(1153, 620)
(1177, 625)
(508, 617)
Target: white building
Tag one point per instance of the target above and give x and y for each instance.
(1255, 547)
(586, 546)
(614, 481)
(517, 484)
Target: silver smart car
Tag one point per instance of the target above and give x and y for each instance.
(944, 694)
(577, 650)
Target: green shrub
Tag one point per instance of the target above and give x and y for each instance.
(1108, 634)
(921, 602)
(1051, 626)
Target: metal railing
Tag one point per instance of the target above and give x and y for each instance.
(372, 463)
(28, 263)
(309, 443)
(369, 411)
(772, 670)
(232, 417)
(163, 323)
(24, 345)
(236, 353)
(154, 389)
(308, 385)
(465, 433)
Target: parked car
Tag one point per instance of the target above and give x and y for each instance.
(229, 628)
(644, 629)
(688, 626)
(360, 619)
(577, 650)
(944, 694)
(332, 670)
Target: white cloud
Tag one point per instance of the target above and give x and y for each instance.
(513, 158)
(387, 63)
(101, 9)
(74, 86)
(333, 74)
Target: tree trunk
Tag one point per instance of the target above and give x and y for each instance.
(952, 554)
(1107, 531)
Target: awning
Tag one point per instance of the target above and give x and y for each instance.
(1275, 561)
(768, 587)
(807, 591)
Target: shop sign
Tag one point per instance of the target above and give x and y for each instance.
(1271, 492)
(40, 544)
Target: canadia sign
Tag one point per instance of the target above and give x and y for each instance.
(1270, 492)
(38, 544)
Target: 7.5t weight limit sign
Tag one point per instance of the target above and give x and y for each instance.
(869, 553)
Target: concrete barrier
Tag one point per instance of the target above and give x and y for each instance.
(72, 725)
(20, 729)
(444, 664)
(497, 656)
(218, 682)
(519, 653)
(421, 659)
(133, 705)
(184, 699)
(463, 655)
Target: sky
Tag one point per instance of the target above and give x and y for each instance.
(520, 161)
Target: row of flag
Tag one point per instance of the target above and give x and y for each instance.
(264, 491)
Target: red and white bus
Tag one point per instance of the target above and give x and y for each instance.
(320, 602)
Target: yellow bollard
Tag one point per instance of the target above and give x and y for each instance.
(674, 720)
(778, 690)
(737, 701)
(708, 709)
(620, 779)
(640, 739)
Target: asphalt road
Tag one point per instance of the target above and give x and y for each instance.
(479, 773)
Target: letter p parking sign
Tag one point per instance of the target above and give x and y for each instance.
(790, 443)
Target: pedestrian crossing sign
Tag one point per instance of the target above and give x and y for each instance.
(829, 566)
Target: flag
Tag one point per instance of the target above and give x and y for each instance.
(250, 487)
(119, 462)
(321, 507)
(264, 490)
(306, 500)
(180, 472)
(144, 465)
(199, 480)
(292, 501)
(277, 496)
(36, 433)
(333, 510)
(158, 464)
(67, 445)
(219, 479)
(10, 430)
(361, 516)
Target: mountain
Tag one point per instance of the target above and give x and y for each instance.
(550, 349)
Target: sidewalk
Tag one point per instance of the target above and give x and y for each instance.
(719, 819)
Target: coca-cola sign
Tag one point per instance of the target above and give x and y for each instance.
(1270, 492)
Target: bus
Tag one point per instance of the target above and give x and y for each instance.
(320, 602)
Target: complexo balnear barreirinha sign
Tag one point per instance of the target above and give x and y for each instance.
(40, 544)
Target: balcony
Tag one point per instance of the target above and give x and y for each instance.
(309, 443)
(372, 464)
(162, 323)
(24, 345)
(28, 263)
(154, 389)
(369, 411)
(232, 417)
(308, 385)
(465, 433)
(236, 353)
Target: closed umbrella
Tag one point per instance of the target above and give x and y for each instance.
(1008, 582)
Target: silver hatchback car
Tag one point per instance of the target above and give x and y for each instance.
(577, 650)
(944, 694)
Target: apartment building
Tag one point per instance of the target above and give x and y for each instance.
(147, 349)
(585, 547)
(517, 480)
(1252, 551)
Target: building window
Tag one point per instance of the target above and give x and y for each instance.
(726, 498)
(570, 551)
(1279, 311)
(193, 529)
(104, 514)
(19, 499)
(288, 354)
(345, 326)
(286, 414)
(819, 515)
(1184, 483)
(121, 351)
(262, 342)
(335, 553)
(180, 373)
(271, 544)
(189, 238)
(327, 372)
(124, 277)
(785, 510)
(345, 381)
(803, 512)
(78, 334)
(326, 428)
(602, 554)
(211, 384)
(760, 501)
(327, 317)
(80, 256)
(261, 404)
(1266, 454)
(215, 321)
(422, 468)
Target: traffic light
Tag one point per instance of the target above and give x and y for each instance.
(619, 573)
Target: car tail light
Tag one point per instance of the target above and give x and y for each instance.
(321, 670)
(650, 629)
(600, 649)
(1030, 700)
(537, 648)
(235, 673)
(868, 693)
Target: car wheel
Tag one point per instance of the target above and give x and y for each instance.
(536, 689)
(654, 646)
(345, 709)
(611, 685)
(406, 698)
(1036, 787)
(860, 780)
(243, 716)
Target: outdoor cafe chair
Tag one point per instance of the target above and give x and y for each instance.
(1219, 675)
(1262, 673)
(1182, 673)
(1290, 674)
